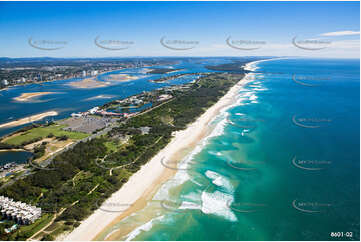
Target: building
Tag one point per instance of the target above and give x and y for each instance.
(4, 82)
(76, 115)
(94, 73)
(93, 110)
(84, 73)
(18, 211)
(164, 97)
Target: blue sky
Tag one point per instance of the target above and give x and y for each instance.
(267, 26)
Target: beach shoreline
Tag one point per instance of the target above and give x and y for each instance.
(250, 66)
(136, 191)
(142, 185)
(26, 120)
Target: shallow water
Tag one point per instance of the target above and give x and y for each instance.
(281, 164)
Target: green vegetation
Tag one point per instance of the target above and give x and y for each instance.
(234, 66)
(25, 232)
(112, 146)
(161, 70)
(42, 132)
(81, 180)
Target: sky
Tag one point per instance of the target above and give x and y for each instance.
(122, 29)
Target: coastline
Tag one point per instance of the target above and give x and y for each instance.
(251, 65)
(9, 150)
(136, 192)
(32, 118)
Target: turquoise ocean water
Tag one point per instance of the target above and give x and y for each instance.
(282, 163)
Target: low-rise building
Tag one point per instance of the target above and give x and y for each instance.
(18, 211)
(93, 110)
(164, 97)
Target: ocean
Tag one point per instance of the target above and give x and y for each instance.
(282, 163)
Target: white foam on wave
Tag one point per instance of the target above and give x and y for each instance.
(178, 179)
(220, 181)
(217, 203)
(190, 206)
(145, 227)
(253, 97)
(260, 89)
(182, 176)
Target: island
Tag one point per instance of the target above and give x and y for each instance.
(24, 97)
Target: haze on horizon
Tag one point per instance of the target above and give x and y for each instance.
(124, 29)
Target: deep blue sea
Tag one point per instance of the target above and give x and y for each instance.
(282, 163)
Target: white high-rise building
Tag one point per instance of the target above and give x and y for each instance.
(94, 73)
(84, 73)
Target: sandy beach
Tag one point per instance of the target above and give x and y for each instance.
(251, 66)
(30, 95)
(121, 77)
(29, 119)
(89, 83)
(143, 184)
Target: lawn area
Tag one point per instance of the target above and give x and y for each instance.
(35, 227)
(54, 129)
(112, 146)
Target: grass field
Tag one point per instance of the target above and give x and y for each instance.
(43, 132)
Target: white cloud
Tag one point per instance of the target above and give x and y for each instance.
(341, 33)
